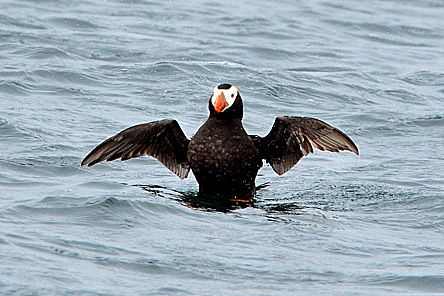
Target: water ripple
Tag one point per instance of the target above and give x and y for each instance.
(72, 74)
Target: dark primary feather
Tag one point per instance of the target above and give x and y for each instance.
(163, 139)
(291, 138)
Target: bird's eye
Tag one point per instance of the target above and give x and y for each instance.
(232, 95)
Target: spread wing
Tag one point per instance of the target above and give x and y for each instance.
(163, 139)
(291, 138)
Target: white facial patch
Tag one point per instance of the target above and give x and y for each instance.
(230, 95)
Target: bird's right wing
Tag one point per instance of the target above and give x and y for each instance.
(163, 139)
(292, 137)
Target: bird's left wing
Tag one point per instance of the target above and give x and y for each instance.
(292, 137)
(163, 139)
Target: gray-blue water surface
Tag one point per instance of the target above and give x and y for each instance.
(73, 73)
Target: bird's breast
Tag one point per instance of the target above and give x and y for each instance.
(221, 149)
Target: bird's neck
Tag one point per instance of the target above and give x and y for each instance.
(225, 121)
(229, 115)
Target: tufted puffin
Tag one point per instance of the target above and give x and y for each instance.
(223, 157)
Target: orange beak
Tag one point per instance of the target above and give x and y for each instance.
(221, 103)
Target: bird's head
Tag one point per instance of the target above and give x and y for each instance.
(226, 102)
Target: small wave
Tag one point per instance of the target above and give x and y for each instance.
(321, 69)
(20, 23)
(337, 198)
(43, 166)
(74, 23)
(64, 77)
(15, 88)
(421, 283)
(426, 78)
(10, 131)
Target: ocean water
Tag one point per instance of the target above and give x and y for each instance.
(73, 73)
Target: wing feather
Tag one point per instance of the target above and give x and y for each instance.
(292, 137)
(163, 139)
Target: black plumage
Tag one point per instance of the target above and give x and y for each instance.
(223, 157)
(163, 139)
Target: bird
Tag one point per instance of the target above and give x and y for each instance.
(223, 157)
